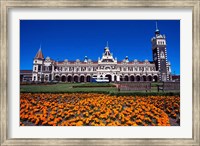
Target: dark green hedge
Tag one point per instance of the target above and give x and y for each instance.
(92, 86)
(60, 92)
(118, 93)
(145, 93)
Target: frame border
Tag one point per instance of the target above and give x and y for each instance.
(5, 5)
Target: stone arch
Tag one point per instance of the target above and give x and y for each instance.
(57, 78)
(126, 78)
(88, 78)
(132, 78)
(137, 78)
(144, 78)
(155, 78)
(82, 78)
(69, 78)
(107, 67)
(75, 78)
(150, 78)
(63, 78)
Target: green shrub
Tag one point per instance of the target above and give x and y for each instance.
(145, 93)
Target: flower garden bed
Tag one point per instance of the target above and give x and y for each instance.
(90, 109)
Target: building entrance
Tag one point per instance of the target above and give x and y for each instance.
(109, 77)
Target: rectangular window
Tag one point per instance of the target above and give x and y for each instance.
(39, 67)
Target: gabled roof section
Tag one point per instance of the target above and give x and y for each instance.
(39, 54)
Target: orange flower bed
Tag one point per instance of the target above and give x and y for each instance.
(97, 110)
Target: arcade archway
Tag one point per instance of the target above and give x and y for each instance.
(144, 78)
(69, 78)
(126, 78)
(150, 78)
(57, 78)
(109, 77)
(82, 79)
(88, 79)
(132, 78)
(75, 78)
(155, 79)
(63, 78)
(138, 78)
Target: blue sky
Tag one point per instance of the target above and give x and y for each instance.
(74, 39)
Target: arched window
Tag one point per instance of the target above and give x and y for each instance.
(162, 55)
(107, 68)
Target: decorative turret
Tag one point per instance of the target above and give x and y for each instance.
(107, 51)
(86, 59)
(107, 56)
(126, 59)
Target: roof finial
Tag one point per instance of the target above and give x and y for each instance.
(107, 44)
(40, 46)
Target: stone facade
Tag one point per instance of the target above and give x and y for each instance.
(47, 69)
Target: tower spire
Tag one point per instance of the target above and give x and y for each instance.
(39, 54)
(157, 32)
(107, 44)
(156, 25)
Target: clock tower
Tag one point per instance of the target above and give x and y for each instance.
(160, 55)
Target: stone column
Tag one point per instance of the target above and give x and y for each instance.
(52, 76)
(113, 78)
(118, 78)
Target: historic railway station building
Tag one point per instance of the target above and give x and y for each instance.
(47, 69)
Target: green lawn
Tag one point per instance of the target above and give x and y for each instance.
(67, 87)
(104, 88)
